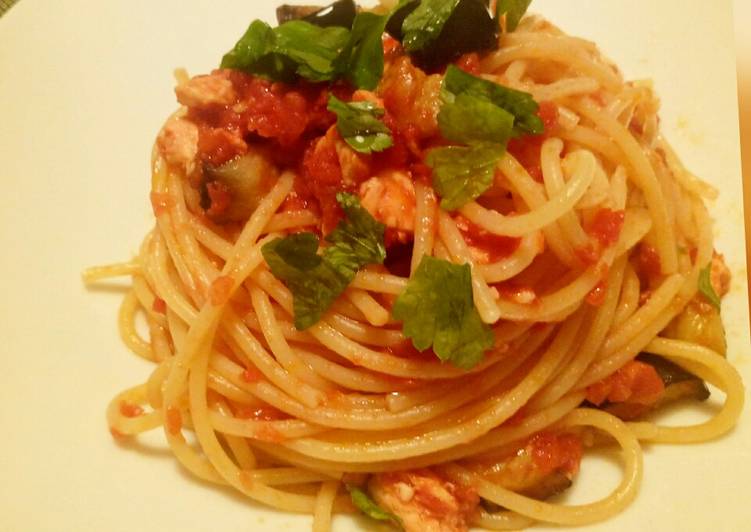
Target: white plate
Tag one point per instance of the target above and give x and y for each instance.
(84, 87)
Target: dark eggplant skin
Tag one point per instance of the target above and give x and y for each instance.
(341, 13)
(471, 28)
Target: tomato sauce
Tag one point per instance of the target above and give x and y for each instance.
(636, 382)
(606, 226)
(494, 247)
(556, 452)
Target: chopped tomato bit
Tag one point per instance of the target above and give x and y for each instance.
(527, 150)
(598, 294)
(636, 382)
(523, 295)
(269, 434)
(489, 247)
(220, 198)
(649, 262)
(220, 290)
(216, 146)
(470, 63)
(159, 306)
(128, 409)
(117, 434)
(552, 452)
(587, 254)
(390, 45)
(517, 419)
(549, 114)
(606, 226)
(161, 202)
(174, 420)
(252, 375)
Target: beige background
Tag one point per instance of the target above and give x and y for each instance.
(743, 39)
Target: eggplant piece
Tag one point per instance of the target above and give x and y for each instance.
(394, 25)
(247, 179)
(470, 28)
(679, 383)
(699, 323)
(340, 13)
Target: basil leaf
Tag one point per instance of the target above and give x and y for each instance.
(296, 48)
(361, 61)
(256, 42)
(359, 125)
(317, 280)
(424, 24)
(314, 283)
(467, 119)
(366, 505)
(514, 10)
(706, 288)
(358, 240)
(462, 174)
(438, 309)
(520, 104)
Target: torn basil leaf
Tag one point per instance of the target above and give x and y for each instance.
(360, 126)
(317, 280)
(463, 173)
(295, 48)
(513, 11)
(521, 105)
(437, 309)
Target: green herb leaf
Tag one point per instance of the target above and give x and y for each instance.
(438, 309)
(361, 61)
(317, 280)
(467, 119)
(359, 125)
(358, 240)
(296, 48)
(520, 105)
(424, 24)
(366, 505)
(514, 11)
(462, 174)
(706, 289)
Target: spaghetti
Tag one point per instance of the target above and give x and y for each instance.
(586, 251)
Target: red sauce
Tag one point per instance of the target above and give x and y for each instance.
(251, 375)
(117, 434)
(598, 294)
(220, 290)
(496, 247)
(269, 434)
(220, 198)
(527, 149)
(469, 63)
(649, 262)
(556, 452)
(323, 176)
(128, 409)
(173, 420)
(216, 145)
(636, 382)
(161, 202)
(606, 226)
(159, 306)
(269, 110)
(549, 114)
